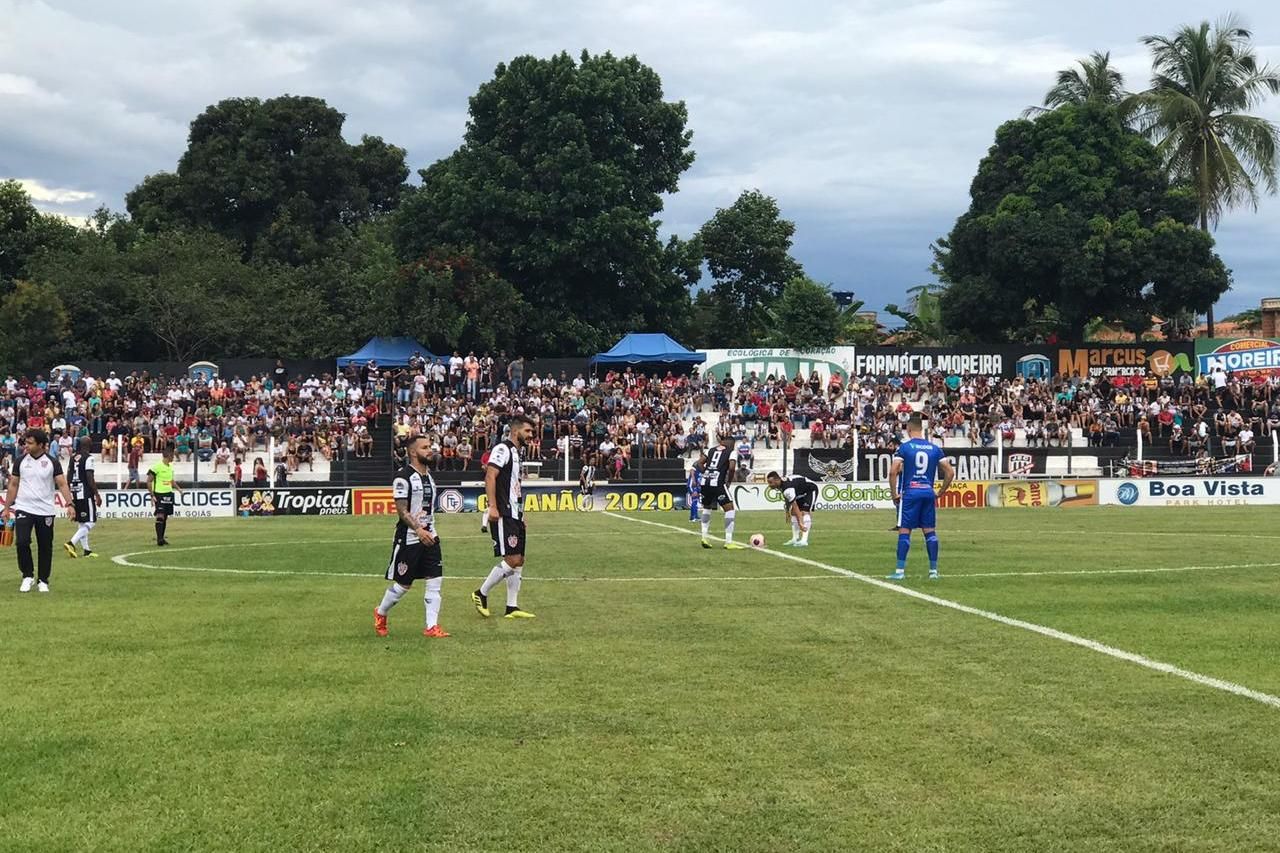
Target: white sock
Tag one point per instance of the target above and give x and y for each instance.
(496, 574)
(806, 527)
(795, 530)
(728, 525)
(81, 535)
(706, 523)
(431, 600)
(389, 598)
(513, 588)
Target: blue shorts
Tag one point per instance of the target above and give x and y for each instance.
(918, 509)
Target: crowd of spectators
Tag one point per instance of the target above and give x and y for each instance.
(614, 420)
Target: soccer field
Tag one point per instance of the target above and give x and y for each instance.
(228, 692)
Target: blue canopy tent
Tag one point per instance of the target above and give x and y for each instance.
(646, 348)
(387, 352)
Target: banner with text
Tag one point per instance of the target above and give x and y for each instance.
(327, 500)
(1191, 491)
(780, 362)
(1242, 358)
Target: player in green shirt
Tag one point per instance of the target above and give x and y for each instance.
(162, 487)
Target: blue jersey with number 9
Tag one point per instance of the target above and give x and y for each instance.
(920, 460)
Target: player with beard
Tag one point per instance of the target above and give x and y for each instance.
(415, 550)
(506, 518)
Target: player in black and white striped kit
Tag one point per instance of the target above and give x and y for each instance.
(719, 467)
(798, 494)
(415, 550)
(84, 492)
(29, 500)
(506, 518)
(587, 486)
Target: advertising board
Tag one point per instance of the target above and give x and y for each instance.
(1241, 358)
(326, 500)
(1191, 491)
(136, 503)
(778, 362)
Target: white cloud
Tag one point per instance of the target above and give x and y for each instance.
(53, 195)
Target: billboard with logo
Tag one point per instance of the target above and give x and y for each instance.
(847, 497)
(253, 503)
(1165, 358)
(1191, 491)
(1242, 358)
(778, 362)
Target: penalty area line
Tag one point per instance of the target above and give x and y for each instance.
(1042, 630)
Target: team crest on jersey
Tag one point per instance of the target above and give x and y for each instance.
(834, 471)
(513, 540)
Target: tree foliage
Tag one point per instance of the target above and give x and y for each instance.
(805, 316)
(33, 322)
(747, 247)
(1204, 80)
(276, 176)
(555, 188)
(25, 233)
(1095, 80)
(1071, 218)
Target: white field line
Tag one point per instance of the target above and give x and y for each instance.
(124, 560)
(1053, 633)
(1151, 571)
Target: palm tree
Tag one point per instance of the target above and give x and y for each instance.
(1095, 80)
(1204, 78)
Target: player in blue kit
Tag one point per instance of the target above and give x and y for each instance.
(911, 478)
(693, 488)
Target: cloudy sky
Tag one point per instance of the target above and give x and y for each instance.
(865, 119)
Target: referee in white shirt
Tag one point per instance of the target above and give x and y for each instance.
(36, 478)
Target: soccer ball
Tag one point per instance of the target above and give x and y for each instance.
(757, 540)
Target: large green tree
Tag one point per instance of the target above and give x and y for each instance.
(1072, 217)
(1205, 79)
(33, 327)
(276, 176)
(805, 316)
(747, 247)
(25, 233)
(555, 188)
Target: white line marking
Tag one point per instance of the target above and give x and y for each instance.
(123, 560)
(1092, 645)
(1152, 571)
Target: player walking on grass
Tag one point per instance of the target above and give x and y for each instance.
(717, 475)
(415, 550)
(162, 487)
(587, 486)
(84, 491)
(36, 477)
(799, 494)
(506, 518)
(911, 478)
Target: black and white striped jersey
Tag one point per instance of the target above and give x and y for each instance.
(80, 476)
(719, 459)
(506, 458)
(420, 491)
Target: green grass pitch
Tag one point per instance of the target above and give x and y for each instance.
(666, 697)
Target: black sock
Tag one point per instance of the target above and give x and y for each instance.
(159, 531)
(510, 608)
